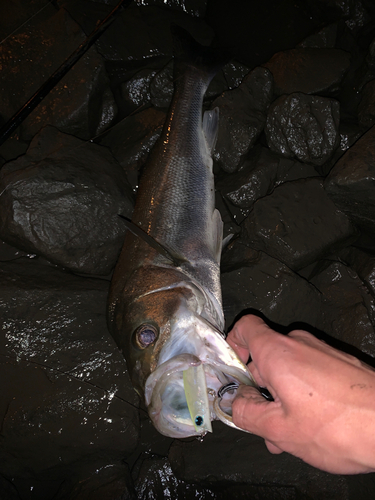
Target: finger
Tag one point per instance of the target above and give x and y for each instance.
(244, 331)
(252, 335)
(273, 448)
(248, 409)
(242, 352)
(256, 375)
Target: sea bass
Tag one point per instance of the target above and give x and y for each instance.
(165, 307)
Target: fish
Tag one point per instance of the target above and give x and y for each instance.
(165, 306)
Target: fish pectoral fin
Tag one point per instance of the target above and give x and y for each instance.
(217, 235)
(176, 260)
(211, 127)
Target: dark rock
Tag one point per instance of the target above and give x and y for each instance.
(308, 70)
(363, 264)
(192, 7)
(109, 481)
(323, 39)
(13, 147)
(254, 38)
(350, 184)
(238, 255)
(347, 307)
(81, 104)
(305, 127)
(8, 490)
(350, 132)
(358, 15)
(366, 109)
(61, 201)
(161, 87)
(68, 394)
(298, 224)
(135, 92)
(157, 481)
(260, 173)
(366, 72)
(269, 286)
(12, 16)
(150, 27)
(242, 115)
(132, 139)
(240, 459)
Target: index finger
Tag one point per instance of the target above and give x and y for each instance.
(251, 336)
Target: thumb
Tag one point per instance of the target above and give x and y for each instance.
(248, 409)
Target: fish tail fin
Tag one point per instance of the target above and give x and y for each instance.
(188, 52)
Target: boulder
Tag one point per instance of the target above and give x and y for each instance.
(298, 224)
(304, 127)
(61, 200)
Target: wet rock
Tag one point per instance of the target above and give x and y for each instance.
(363, 264)
(61, 201)
(308, 70)
(267, 285)
(161, 87)
(242, 114)
(242, 460)
(192, 7)
(150, 27)
(132, 139)
(81, 104)
(135, 92)
(366, 109)
(304, 127)
(260, 173)
(298, 224)
(157, 480)
(347, 307)
(350, 132)
(68, 394)
(110, 481)
(350, 183)
(323, 39)
(358, 14)
(13, 147)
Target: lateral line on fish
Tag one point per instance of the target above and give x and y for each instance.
(137, 231)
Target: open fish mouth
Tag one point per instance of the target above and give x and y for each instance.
(182, 395)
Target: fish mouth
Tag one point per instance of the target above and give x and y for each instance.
(167, 394)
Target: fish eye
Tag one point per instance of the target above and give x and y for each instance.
(198, 420)
(146, 335)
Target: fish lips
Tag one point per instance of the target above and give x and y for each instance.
(165, 394)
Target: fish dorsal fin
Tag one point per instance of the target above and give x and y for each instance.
(217, 235)
(211, 127)
(176, 260)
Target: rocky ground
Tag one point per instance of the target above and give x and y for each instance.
(295, 177)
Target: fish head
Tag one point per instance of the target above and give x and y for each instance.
(140, 318)
(176, 356)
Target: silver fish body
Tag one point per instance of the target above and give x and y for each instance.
(166, 314)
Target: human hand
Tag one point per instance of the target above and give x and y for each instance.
(324, 400)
